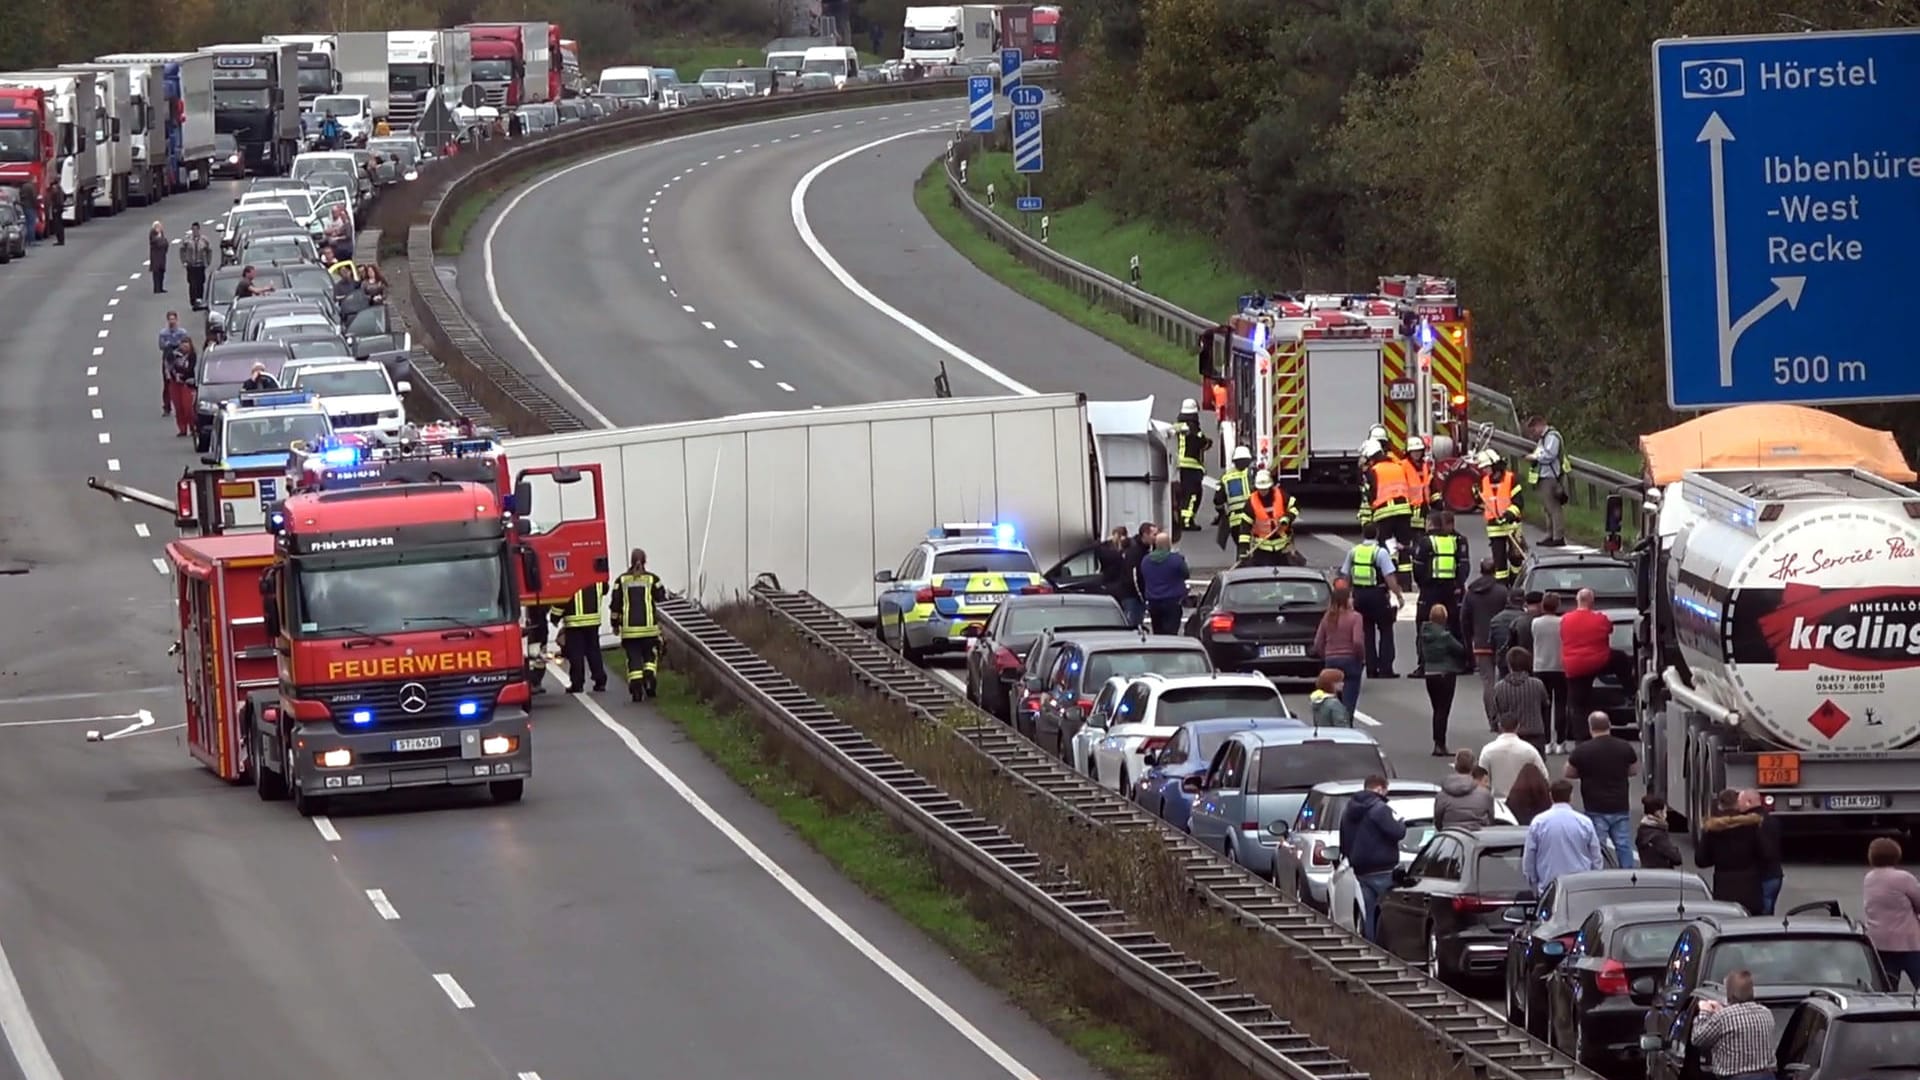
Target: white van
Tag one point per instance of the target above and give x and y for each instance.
(840, 62)
(630, 86)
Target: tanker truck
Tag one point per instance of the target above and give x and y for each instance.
(1779, 648)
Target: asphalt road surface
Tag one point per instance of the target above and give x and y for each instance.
(637, 914)
(784, 265)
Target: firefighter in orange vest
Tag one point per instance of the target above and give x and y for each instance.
(1388, 505)
(1500, 502)
(1419, 481)
(1273, 515)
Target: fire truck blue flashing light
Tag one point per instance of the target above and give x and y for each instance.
(1426, 334)
(469, 709)
(341, 455)
(363, 716)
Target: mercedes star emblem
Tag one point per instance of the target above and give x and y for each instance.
(413, 698)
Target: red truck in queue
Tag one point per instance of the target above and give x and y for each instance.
(27, 147)
(516, 63)
(370, 640)
(1046, 32)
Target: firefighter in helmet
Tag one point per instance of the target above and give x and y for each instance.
(1230, 503)
(1500, 502)
(1388, 503)
(1270, 515)
(1419, 468)
(1192, 451)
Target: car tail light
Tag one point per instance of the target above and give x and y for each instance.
(1085, 704)
(1320, 854)
(928, 596)
(1003, 657)
(1032, 704)
(1612, 978)
(1475, 905)
(1152, 744)
(1221, 622)
(1035, 590)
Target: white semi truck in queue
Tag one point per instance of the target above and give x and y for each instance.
(1779, 648)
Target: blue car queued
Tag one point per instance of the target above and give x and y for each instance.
(1188, 753)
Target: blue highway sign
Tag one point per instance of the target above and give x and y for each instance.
(1027, 95)
(1789, 214)
(1009, 71)
(980, 103)
(1026, 140)
(1027, 204)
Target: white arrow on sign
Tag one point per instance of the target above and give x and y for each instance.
(1786, 290)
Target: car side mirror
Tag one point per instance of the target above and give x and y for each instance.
(1401, 877)
(883, 577)
(1616, 514)
(1642, 986)
(1194, 784)
(209, 459)
(1652, 1044)
(1280, 829)
(523, 500)
(1150, 758)
(1553, 948)
(972, 630)
(1515, 913)
(530, 567)
(403, 387)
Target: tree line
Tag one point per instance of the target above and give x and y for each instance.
(1508, 143)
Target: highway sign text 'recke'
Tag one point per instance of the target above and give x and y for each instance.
(1789, 173)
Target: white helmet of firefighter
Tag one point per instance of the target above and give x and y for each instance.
(1377, 433)
(1416, 445)
(1242, 455)
(1371, 449)
(1263, 480)
(1189, 407)
(1486, 459)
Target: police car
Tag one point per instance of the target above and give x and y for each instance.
(949, 582)
(256, 431)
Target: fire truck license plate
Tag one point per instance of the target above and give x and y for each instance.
(421, 742)
(1401, 391)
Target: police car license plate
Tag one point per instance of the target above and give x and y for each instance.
(419, 742)
(1268, 652)
(981, 600)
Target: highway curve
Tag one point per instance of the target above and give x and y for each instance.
(636, 914)
(673, 282)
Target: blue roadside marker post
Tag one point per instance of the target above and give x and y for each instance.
(1789, 170)
(980, 104)
(1027, 98)
(1027, 158)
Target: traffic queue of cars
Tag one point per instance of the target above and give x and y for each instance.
(1610, 966)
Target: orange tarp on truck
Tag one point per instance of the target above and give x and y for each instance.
(1763, 436)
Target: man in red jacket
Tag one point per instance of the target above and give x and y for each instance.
(1586, 649)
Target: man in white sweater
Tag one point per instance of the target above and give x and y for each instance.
(1506, 755)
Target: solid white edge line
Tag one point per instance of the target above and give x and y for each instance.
(797, 203)
(529, 1076)
(451, 987)
(23, 1035)
(960, 1024)
(324, 824)
(493, 230)
(378, 897)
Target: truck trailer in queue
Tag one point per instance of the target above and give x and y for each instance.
(368, 642)
(27, 151)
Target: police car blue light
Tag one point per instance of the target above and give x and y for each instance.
(1004, 534)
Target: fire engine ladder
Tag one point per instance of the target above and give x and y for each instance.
(1289, 459)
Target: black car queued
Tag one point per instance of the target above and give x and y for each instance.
(1598, 995)
(1447, 909)
(1549, 929)
(999, 651)
(1841, 1035)
(1262, 620)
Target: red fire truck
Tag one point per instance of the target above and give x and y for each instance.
(1303, 379)
(27, 158)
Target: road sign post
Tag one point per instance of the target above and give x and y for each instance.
(1789, 170)
(1026, 140)
(980, 104)
(1028, 204)
(1009, 72)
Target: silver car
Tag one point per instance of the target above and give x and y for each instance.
(1303, 860)
(1260, 779)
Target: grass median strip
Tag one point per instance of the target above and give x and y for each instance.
(897, 870)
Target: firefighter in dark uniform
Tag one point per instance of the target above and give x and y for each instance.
(1192, 451)
(579, 619)
(534, 633)
(1440, 560)
(635, 620)
(1230, 504)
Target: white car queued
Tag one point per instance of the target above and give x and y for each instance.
(1099, 718)
(1343, 891)
(1153, 706)
(360, 398)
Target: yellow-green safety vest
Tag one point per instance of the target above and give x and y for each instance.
(1237, 486)
(635, 601)
(1533, 467)
(584, 608)
(1188, 458)
(1365, 574)
(1445, 562)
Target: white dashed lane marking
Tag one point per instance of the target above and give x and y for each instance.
(378, 897)
(105, 438)
(160, 564)
(140, 530)
(324, 824)
(785, 386)
(453, 990)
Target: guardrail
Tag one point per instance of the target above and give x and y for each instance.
(1493, 1048)
(416, 219)
(1590, 480)
(1237, 1023)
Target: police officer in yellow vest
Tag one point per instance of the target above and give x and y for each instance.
(637, 622)
(1192, 447)
(579, 619)
(1440, 561)
(1500, 501)
(1230, 503)
(1368, 572)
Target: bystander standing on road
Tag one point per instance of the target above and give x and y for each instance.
(1329, 709)
(159, 246)
(1890, 901)
(1486, 599)
(1547, 471)
(1773, 871)
(1523, 699)
(1137, 552)
(1586, 651)
(1738, 1036)
(1464, 801)
(1605, 767)
(1443, 659)
(1163, 584)
(1506, 755)
(1340, 643)
(1546, 668)
(1370, 835)
(1653, 841)
(1559, 842)
(1731, 844)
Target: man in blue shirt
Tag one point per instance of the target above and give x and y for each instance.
(1368, 570)
(1560, 841)
(170, 339)
(1547, 471)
